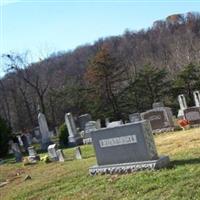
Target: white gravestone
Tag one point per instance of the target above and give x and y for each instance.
(74, 137)
(114, 123)
(196, 95)
(60, 155)
(44, 130)
(52, 152)
(182, 104)
(78, 153)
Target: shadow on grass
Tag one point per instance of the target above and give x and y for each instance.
(185, 162)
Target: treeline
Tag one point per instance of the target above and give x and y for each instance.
(111, 78)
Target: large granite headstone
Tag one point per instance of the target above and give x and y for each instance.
(74, 137)
(192, 114)
(126, 148)
(44, 130)
(161, 118)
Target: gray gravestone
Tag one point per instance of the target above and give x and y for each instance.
(127, 147)
(135, 117)
(89, 127)
(161, 119)
(33, 154)
(16, 150)
(52, 152)
(83, 119)
(44, 130)
(74, 136)
(192, 114)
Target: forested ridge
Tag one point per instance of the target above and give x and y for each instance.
(112, 78)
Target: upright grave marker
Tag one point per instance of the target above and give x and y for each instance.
(160, 117)
(44, 130)
(74, 136)
(126, 148)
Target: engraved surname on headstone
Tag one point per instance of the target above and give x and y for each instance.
(129, 139)
(155, 117)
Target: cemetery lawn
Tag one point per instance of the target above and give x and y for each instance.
(70, 180)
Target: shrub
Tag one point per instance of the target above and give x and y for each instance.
(63, 135)
(4, 137)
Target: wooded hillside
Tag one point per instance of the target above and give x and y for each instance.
(113, 77)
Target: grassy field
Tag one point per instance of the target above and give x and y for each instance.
(70, 180)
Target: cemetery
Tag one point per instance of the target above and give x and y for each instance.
(116, 157)
(114, 118)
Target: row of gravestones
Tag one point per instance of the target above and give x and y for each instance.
(54, 154)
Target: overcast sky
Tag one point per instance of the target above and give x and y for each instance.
(47, 26)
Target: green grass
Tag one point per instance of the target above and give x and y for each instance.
(70, 180)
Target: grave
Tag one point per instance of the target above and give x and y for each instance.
(60, 155)
(89, 127)
(182, 104)
(33, 156)
(126, 148)
(16, 151)
(52, 152)
(78, 153)
(160, 117)
(83, 119)
(135, 117)
(74, 136)
(114, 123)
(44, 130)
(192, 114)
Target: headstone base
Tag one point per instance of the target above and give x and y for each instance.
(162, 162)
(169, 129)
(74, 141)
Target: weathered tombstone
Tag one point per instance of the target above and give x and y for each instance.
(74, 136)
(83, 119)
(89, 127)
(192, 114)
(114, 123)
(33, 156)
(78, 153)
(135, 117)
(16, 150)
(60, 155)
(196, 95)
(44, 130)
(182, 104)
(98, 123)
(107, 121)
(161, 118)
(52, 152)
(126, 148)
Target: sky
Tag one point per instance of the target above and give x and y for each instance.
(46, 26)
